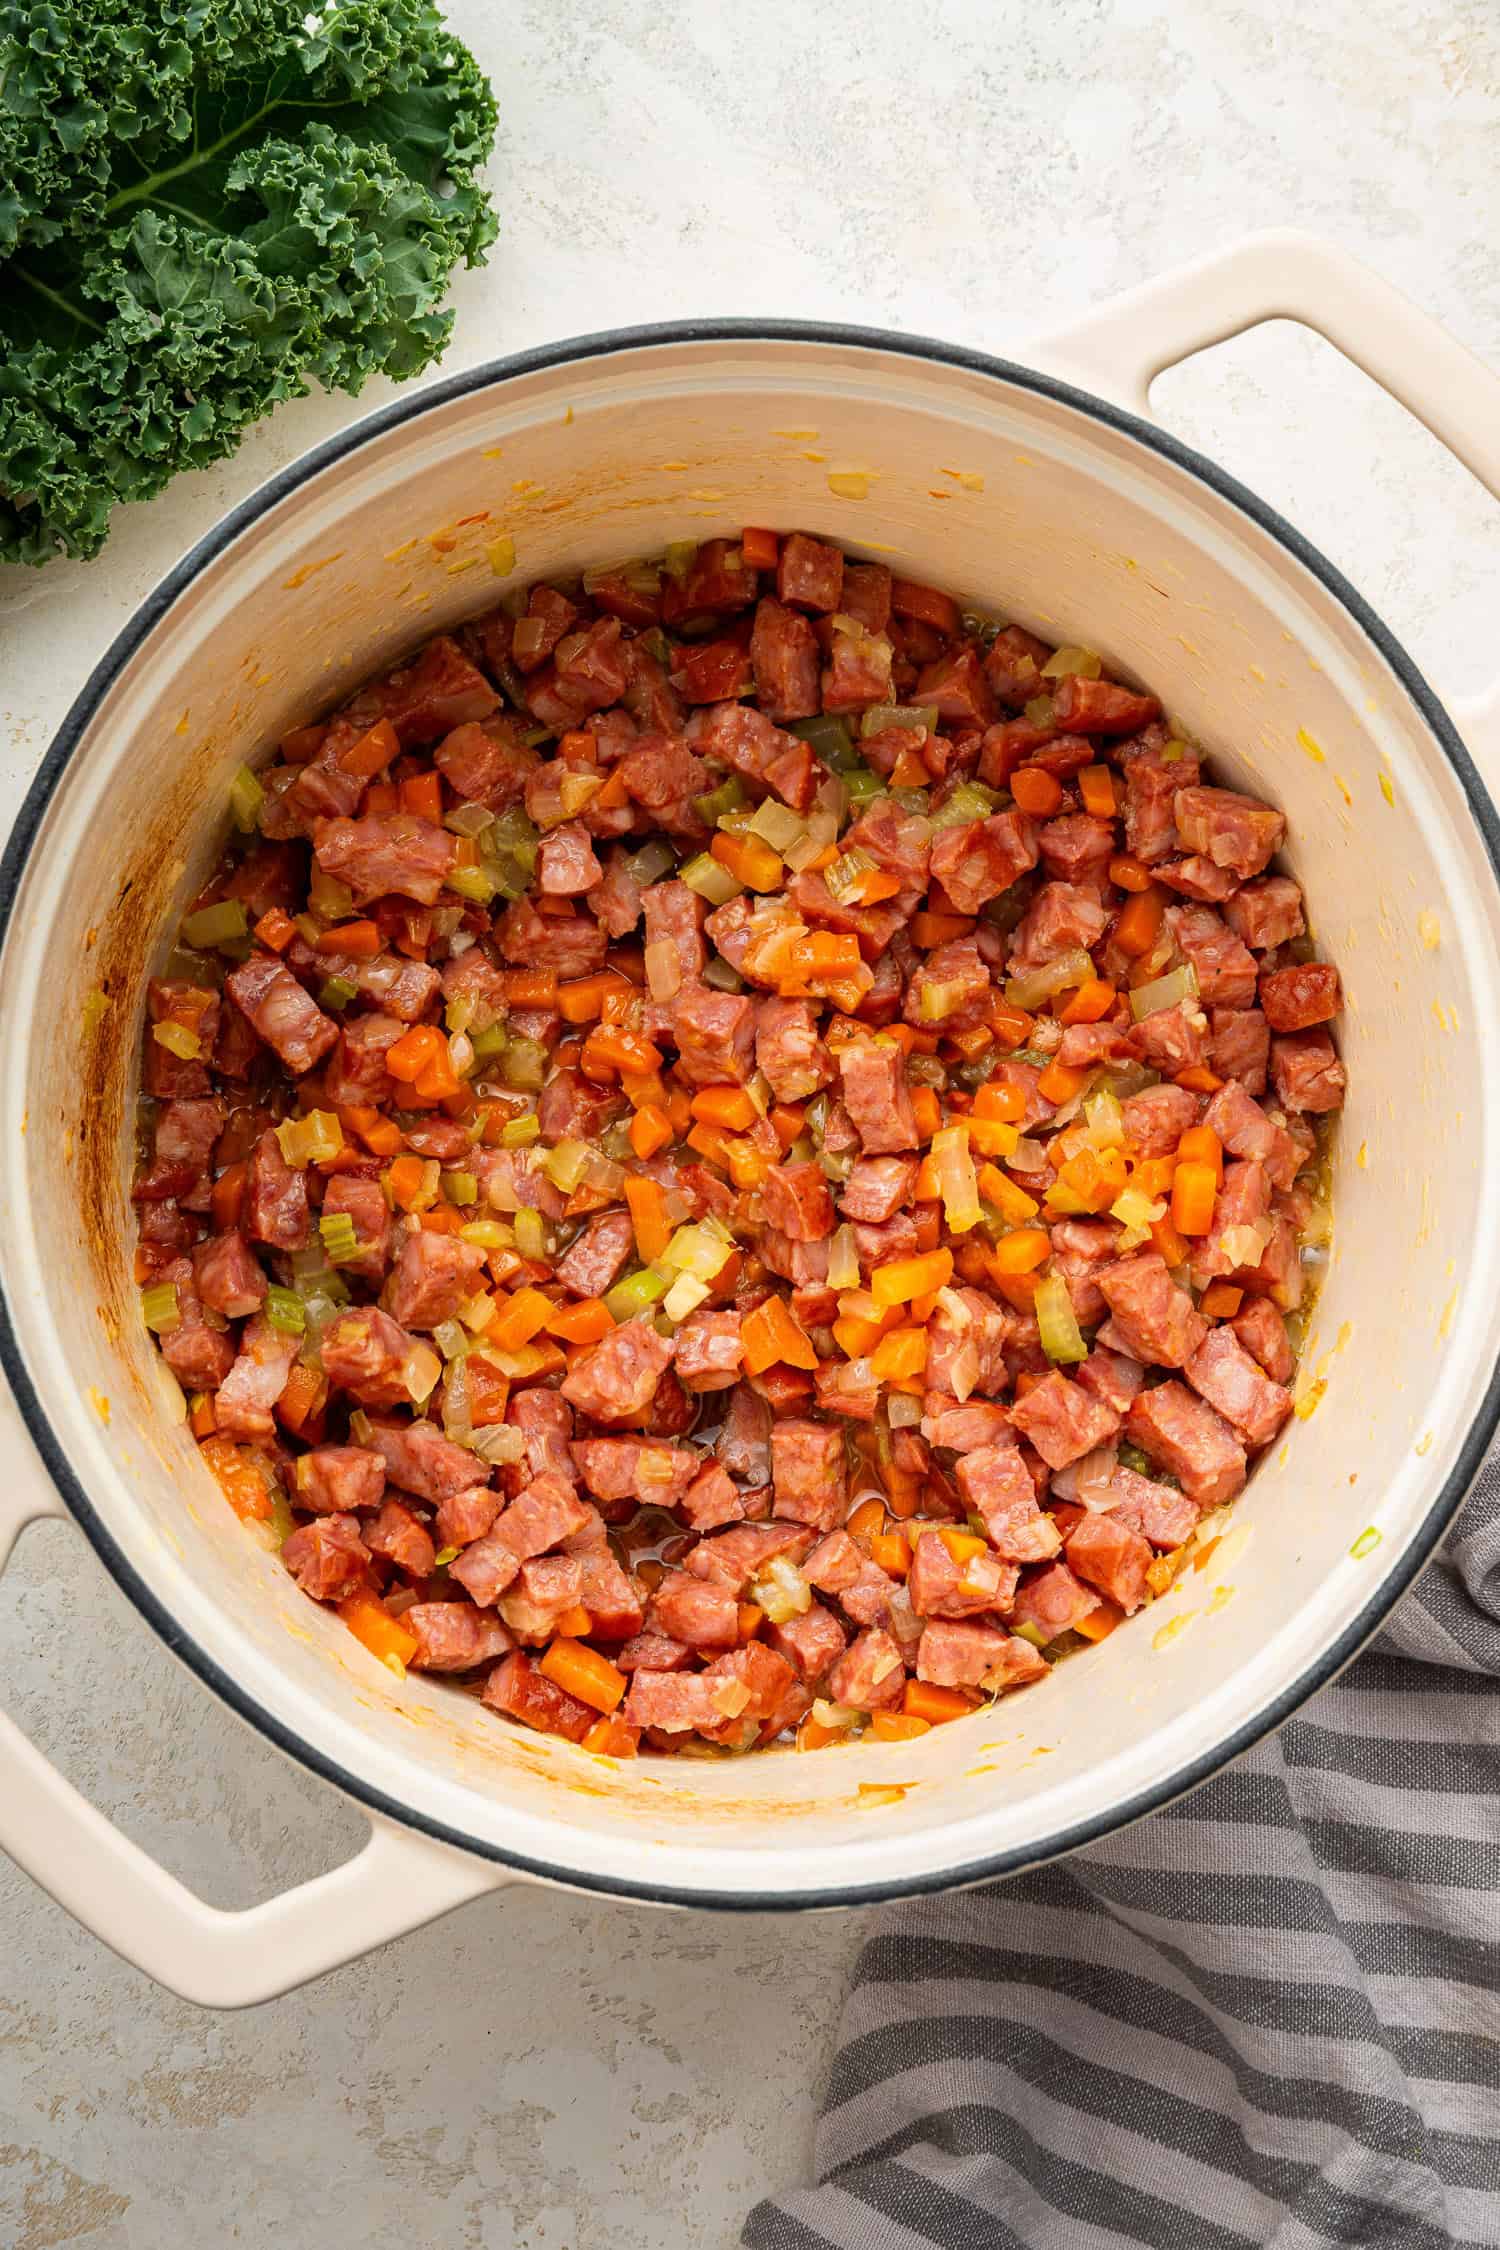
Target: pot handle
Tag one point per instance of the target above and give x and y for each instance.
(1121, 347)
(397, 1882)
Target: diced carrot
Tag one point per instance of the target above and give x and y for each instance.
(610, 1737)
(275, 929)
(929, 1184)
(228, 1195)
(382, 797)
(1012, 1202)
(1129, 874)
(1194, 1189)
(748, 1165)
(876, 883)
(929, 930)
(901, 1279)
(1200, 1144)
(585, 1673)
(438, 1080)
(1100, 1622)
(584, 1323)
(372, 753)
(751, 1619)
(613, 794)
(414, 1051)
(305, 1394)
(750, 860)
(608, 1050)
(910, 771)
(1169, 1243)
(787, 1120)
(927, 1111)
(1198, 1079)
(811, 1736)
(761, 549)
(650, 1130)
(407, 1179)
(1006, 1103)
(867, 1519)
(726, 1106)
(1090, 1003)
(371, 1622)
(202, 1420)
(422, 793)
(1139, 921)
(679, 1109)
(1059, 1084)
(357, 941)
(1221, 1300)
(898, 1726)
(922, 1700)
(771, 1333)
(709, 1143)
(973, 1042)
(1022, 1250)
(648, 1215)
(1096, 786)
(903, 1352)
(1026, 1382)
(892, 1551)
(530, 988)
(1036, 791)
(1012, 1026)
(1153, 1175)
(582, 1000)
(520, 1318)
(963, 1546)
(1018, 1290)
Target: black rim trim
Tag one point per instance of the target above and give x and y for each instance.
(28, 821)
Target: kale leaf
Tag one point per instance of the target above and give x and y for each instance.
(204, 204)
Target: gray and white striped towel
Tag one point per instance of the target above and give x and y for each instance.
(1268, 2016)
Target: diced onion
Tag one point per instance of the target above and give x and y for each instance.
(178, 1040)
(1164, 992)
(847, 873)
(711, 880)
(531, 1234)
(1106, 1121)
(700, 1250)
(836, 1718)
(1245, 1245)
(450, 1339)
(902, 1411)
(420, 1372)
(458, 1421)
(686, 1294)
(499, 1443)
(663, 969)
(781, 1591)
(1057, 1324)
(1036, 985)
(778, 825)
(650, 863)
(520, 1132)
(970, 801)
(843, 1260)
(956, 1179)
(576, 789)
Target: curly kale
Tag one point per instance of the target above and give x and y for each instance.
(204, 203)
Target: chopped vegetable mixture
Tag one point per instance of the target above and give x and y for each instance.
(733, 1153)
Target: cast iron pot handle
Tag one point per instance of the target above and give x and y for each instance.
(1121, 347)
(397, 1882)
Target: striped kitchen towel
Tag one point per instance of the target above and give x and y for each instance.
(1268, 2016)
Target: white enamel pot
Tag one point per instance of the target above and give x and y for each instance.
(1060, 506)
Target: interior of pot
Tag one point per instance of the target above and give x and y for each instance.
(1029, 508)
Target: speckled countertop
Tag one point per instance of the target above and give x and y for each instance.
(537, 2072)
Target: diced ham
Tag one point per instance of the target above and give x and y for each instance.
(1077, 848)
(1235, 832)
(382, 853)
(709, 1350)
(596, 1260)
(401, 988)
(963, 1429)
(966, 1340)
(996, 1483)
(877, 1188)
(481, 764)
(543, 1590)
(1262, 1331)
(1156, 1120)
(1151, 784)
(809, 573)
(623, 1468)
(877, 1096)
(1107, 1554)
(1062, 1420)
(941, 1587)
(676, 1702)
(1157, 1319)
(1188, 1437)
(328, 1558)
(522, 1692)
(871, 1673)
(365, 1353)
(1198, 878)
(437, 691)
(674, 918)
(420, 1459)
(615, 1379)
(784, 660)
(275, 1208)
(950, 988)
(1307, 1072)
(572, 944)
(573, 1108)
(545, 1420)
(1061, 918)
(192, 1008)
(839, 1567)
(1159, 1512)
(1053, 1601)
(363, 1203)
(1101, 706)
(695, 1611)
(744, 1442)
(355, 1072)
(1112, 1376)
(858, 672)
(466, 1515)
(566, 865)
(244, 1399)
(433, 1276)
(1246, 1131)
(609, 1595)
(978, 861)
(199, 1354)
(971, 1656)
(1223, 1372)
(401, 1538)
(1296, 998)
(228, 1279)
(453, 1636)
(809, 1473)
(1240, 1046)
(1224, 969)
(867, 595)
(810, 1643)
(714, 1033)
(339, 1479)
(280, 1011)
(733, 1557)
(712, 1498)
(1013, 665)
(797, 1202)
(789, 1051)
(1172, 1039)
(1279, 1274)
(1266, 913)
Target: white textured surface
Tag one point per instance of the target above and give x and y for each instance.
(540, 2073)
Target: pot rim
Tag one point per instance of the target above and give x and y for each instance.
(133, 635)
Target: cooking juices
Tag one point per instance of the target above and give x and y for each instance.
(735, 1153)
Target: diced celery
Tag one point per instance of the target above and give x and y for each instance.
(531, 1233)
(211, 925)
(246, 798)
(1057, 1324)
(520, 1132)
(679, 558)
(566, 1164)
(1041, 712)
(722, 977)
(159, 1308)
(327, 896)
(450, 1339)
(847, 873)
(469, 820)
(285, 1310)
(460, 1187)
(899, 715)
(490, 1042)
(651, 862)
(636, 1294)
(864, 786)
(524, 1065)
(830, 739)
(1080, 662)
(727, 798)
(490, 1234)
(312, 1139)
(1026, 1631)
(711, 881)
(476, 883)
(340, 1241)
(1036, 985)
(778, 825)
(337, 992)
(969, 801)
(516, 831)
(1164, 992)
(178, 1040)
(702, 1250)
